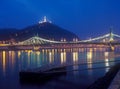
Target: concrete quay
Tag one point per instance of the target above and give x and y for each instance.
(115, 84)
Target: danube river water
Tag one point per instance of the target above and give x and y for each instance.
(88, 64)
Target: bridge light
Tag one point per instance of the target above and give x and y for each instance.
(64, 40)
(90, 39)
(75, 56)
(61, 39)
(74, 39)
(111, 40)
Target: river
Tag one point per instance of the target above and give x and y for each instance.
(89, 65)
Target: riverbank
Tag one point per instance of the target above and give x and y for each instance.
(105, 81)
(115, 84)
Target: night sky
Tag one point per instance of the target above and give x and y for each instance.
(86, 18)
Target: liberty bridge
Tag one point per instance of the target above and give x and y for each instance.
(109, 41)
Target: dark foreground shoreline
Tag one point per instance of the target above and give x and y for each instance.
(105, 81)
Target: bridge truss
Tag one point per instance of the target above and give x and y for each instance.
(107, 38)
(37, 40)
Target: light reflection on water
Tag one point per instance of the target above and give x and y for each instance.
(4, 61)
(11, 62)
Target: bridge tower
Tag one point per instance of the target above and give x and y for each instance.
(111, 36)
(111, 40)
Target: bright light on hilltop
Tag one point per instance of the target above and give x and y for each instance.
(44, 20)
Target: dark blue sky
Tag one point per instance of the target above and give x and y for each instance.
(86, 18)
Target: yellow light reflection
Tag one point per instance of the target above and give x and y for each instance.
(38, 58)
(12, 59)
(95, 49)
(38, 52)
(75, 56)
(43, 50)
(50, 57)
(106, 54)
(28, 52)
(4, 61)
(106, 62)
(89, 59)
(63, 57)
(89, 55)
(19, 53)
(91, 49)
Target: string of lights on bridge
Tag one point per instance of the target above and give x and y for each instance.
(39, 40)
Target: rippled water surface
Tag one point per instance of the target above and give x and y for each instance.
(84, 66)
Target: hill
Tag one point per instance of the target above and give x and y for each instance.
(44, 30)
